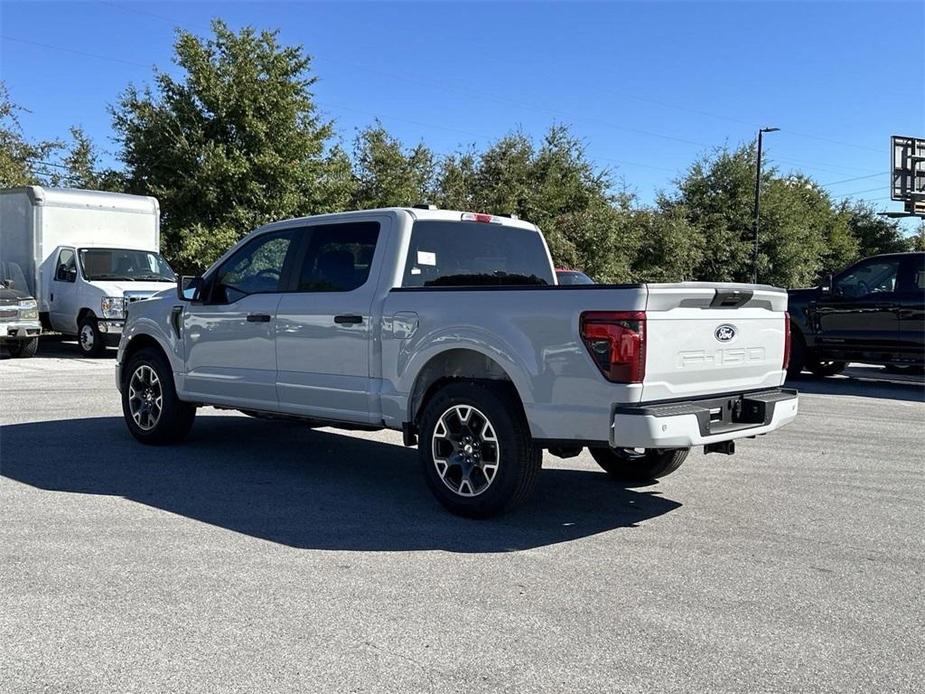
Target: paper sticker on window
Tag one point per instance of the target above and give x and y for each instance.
(415, 271)
(427, 258)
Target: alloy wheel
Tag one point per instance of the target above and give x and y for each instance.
(466, 452)
(145, 397)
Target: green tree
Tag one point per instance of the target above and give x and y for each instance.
(553, 185)
(80, 166)
(917, 241)
(670, 248)
(20, 159)
(800, 234)
(233, 142)
(389, 175)
(717, 196)
(874, 234)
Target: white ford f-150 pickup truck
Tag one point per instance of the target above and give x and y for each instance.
(449, 327)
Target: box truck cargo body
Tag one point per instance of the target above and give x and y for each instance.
(85, 255)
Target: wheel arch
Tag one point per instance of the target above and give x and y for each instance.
(136, 344)
(454, 364)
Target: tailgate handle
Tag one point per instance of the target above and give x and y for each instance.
(731, 298)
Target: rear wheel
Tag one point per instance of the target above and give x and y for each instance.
(476, 451)
(89, 337)
(823, 367)
(152, 411)
(639, 464)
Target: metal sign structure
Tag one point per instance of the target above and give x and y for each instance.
(907, 173)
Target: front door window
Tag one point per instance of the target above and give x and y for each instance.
(874, 277)
(256, 268)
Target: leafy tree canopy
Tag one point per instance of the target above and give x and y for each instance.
(231, 144)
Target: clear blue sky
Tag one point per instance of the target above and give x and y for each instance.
(648, 86)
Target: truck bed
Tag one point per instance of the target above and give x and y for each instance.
(533, 334)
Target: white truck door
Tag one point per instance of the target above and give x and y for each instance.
(62, 293)
(229, 336)
(324, 327)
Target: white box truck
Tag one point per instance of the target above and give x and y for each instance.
(85, 255)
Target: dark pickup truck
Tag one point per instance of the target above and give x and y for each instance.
(871, 312)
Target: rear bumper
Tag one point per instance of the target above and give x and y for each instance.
(703, 421)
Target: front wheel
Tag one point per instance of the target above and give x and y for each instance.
(639, 464)
(89, 337)
(23, 348)
(152, 411)
(476, 451)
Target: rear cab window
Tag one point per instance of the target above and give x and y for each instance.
(471, 254)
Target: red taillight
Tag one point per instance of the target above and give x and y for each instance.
(786, 341)
(616, 341)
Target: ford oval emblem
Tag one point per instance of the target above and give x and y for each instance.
(725, 333)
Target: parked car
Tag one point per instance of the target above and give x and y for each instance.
(19, 316)
(85, 255)
(448, 326)
(567, 277)
(871, 312)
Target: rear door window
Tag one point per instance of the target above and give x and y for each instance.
(446, 254)
(338, 257)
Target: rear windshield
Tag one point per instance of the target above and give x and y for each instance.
(472, 254)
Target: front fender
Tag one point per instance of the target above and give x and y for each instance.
(157, 327)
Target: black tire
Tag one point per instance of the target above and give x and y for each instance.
(904, 369)
(173, 421)
(632, 465)
(823, 368)
(500, 474)
(89, 338)
(23, 349)
(797, 354)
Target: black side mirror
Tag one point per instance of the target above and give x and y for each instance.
(828, 284)
(188, 287)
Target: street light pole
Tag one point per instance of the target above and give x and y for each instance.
(761, 131)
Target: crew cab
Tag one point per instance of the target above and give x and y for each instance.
(450, 327)
(871, 312)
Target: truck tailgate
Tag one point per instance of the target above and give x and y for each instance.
(706, 338)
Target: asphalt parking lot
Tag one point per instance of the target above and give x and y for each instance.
(267, 557)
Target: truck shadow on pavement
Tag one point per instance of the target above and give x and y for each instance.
(308, 489)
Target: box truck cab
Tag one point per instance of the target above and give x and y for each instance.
(85, 255)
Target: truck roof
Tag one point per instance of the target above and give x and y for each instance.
(416, 212)
(96, 199)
